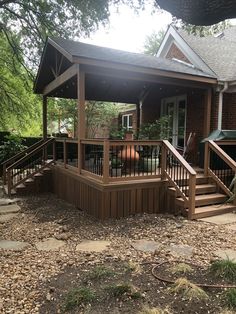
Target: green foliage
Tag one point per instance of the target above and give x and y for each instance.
(153, 42)
(100, 272)
(11, 146)
(99, 116)
(116, 163)
(224, 269)
(157, 130)
(77, 297)
(204, 31)
(123, 289)
(117, 133)
(230, 297)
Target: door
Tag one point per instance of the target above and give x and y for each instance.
(175, 108)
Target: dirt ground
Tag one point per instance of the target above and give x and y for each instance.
(34, 281)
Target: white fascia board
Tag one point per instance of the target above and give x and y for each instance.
(172, 36)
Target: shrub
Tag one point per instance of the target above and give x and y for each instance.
(230, 296)
(189, 290)
(11, 146)
(224, 269)
(77, 297)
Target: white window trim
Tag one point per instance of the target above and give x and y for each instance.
(128, 119)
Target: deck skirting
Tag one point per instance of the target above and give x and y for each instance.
(114, 200)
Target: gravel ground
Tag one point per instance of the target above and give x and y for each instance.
(24, 273)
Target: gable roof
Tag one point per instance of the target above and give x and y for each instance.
(78, 52)
(216, 53)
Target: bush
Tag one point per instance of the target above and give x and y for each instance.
(230, 296)
(11, 146)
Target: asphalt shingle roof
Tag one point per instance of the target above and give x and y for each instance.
(219, 53)
(79, 49)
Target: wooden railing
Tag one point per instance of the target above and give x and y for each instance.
(180, 174)
(29, 165)
(219, 166)
(13, 159)
(66, 152)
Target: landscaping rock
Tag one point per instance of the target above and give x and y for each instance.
(225, 254)
(9, 209)
(92, 246)
(232, 227)
(181, 250)
(50, 244)
(13, 245)
(146, 246)
(7, 201)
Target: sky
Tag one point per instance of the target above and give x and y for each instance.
(128, 30)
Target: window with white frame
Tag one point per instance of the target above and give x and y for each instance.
(127, 121)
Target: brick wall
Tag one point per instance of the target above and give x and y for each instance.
(175, 52)
(229, 112)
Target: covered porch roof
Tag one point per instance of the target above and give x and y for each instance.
(110, 74)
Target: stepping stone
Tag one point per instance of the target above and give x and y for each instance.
(13, 245)
(221, 219)
(181, 250)
(7, 217)
(49, 244)
(9, 209)
(146, 245)
(7, 201)
(225, 254)
(92, 246)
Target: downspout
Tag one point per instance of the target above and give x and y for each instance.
(220, 107)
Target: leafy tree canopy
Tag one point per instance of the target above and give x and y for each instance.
(152, 42)
(24, 26)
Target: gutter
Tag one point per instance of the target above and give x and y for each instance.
(220, 107)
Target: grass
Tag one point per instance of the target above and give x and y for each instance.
(230, 297)
(155, 310)
(181, 268)
(134, 267)
(188, 290)
(77, 297)
(120, 290)
(224, 269)
(100, 272)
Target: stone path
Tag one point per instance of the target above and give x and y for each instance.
(50, 244)
(226, 254)
(221, 219)
(146, 246)
(13, 245)
(92, 246)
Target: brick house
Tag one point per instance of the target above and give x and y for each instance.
(214, 55)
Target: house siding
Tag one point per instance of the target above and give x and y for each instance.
(175, 52)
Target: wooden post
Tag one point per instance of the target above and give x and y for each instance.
(81, 114)
(137, 119)
(106, 151)
(191, 198)
(54, 151)
(9, 182)
(65, 153)
(45, 133)
(206, 158)
(163, 161)
(207, 113)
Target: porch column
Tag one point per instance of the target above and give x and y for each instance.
(81, 115)
(45, 133)
(207, 113)
(138, 118)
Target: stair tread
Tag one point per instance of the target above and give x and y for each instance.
(198, 186)
(20, 186)
(29, 180)
(210, 208)
(210, 196)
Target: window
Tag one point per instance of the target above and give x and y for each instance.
(127, 121)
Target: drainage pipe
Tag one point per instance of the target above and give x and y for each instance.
(220, 107)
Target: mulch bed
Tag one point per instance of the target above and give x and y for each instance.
(154, 293)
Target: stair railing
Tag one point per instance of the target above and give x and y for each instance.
(29, 165)
(219, 166)
(180, 175)
(16, 157)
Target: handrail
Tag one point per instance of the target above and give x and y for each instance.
(18, 172)
(220, 176)
(177, 181)
(66, 139)
(222, 154)
(179, 157)
(31, 153)
(25, 151)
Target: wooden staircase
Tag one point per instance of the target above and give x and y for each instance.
(30, 171)
(209, 201)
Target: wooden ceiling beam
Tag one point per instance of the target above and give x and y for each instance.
(61, 79)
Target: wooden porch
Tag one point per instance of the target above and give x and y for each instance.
(162, 183)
